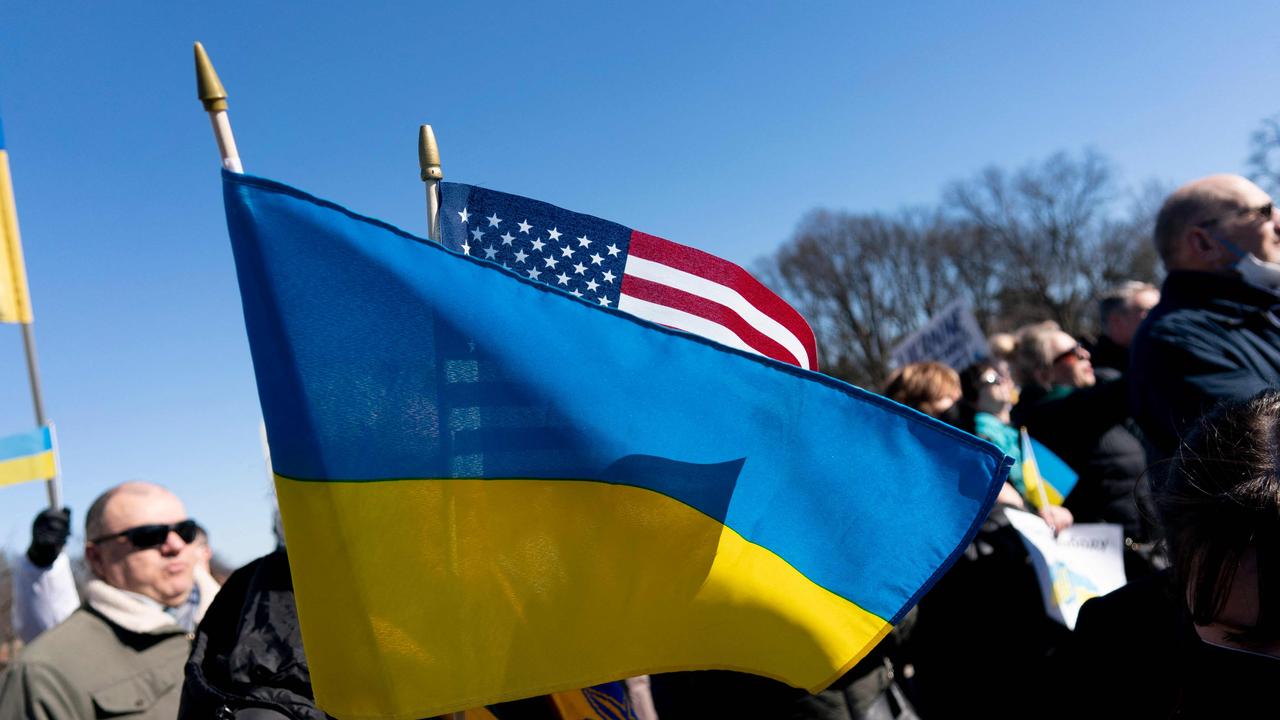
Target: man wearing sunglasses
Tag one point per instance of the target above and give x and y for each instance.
(1215, 334)
(122, 653)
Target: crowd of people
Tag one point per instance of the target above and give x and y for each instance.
(1170, 418)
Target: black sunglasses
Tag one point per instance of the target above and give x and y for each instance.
(1262, 212)
(149, 536)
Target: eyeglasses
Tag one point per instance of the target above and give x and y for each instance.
(1265, 213)
(149, 536)
(1073, 354)
(991, 377)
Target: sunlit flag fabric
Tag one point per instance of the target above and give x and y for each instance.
(15, 301)
(1042, 468)
(27, 456)
(492, 489)
(615, 266)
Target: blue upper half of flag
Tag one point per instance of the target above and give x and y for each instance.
(381, 356)
(579, 254)
(1054, 469)
(32, 442)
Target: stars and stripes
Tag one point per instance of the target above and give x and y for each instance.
(611, 265)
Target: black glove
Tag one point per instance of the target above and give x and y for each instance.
(49, 533)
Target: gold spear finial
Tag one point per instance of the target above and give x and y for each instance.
(208, 87)
(429, 154)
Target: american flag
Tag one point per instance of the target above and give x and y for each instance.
(603, 262)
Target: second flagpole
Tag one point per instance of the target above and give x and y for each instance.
(432, 174)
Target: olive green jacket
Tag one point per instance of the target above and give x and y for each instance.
(117, 656)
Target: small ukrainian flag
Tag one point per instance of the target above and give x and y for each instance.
(28, 456)
(1047, 477)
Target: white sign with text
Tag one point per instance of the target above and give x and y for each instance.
(1083, 562)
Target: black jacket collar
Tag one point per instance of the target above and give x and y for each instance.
(1221, 294)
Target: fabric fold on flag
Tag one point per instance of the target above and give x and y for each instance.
(645, 275)
(492, 489)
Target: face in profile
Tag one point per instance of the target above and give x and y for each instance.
(132, 553)
(1069, 363)
(995, 390)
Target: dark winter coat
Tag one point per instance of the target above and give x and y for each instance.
(1211, 338)
(1135, 654)
(1086, 427)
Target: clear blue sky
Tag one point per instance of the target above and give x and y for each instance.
(714, 124)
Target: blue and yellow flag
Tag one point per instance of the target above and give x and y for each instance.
(1047, 477)
(28, 456)
(492, 489)
(15, 301)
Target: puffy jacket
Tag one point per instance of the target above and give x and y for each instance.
(1211, 338)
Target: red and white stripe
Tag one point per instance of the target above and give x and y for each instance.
(694, 291)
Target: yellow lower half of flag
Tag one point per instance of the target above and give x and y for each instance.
(421, 597)
(1032, 480)
(30, 467)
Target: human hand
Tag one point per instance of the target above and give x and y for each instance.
(49, 533)
(1057, 517)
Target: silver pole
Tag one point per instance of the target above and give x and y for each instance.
(53, 484)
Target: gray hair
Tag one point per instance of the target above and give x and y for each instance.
(1120, 297)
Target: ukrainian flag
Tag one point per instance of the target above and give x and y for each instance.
(27, 456)
(1048, 478)
(15, 301)
(493, 490)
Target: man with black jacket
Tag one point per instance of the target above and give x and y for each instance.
(1215, 335)
(1120, 311)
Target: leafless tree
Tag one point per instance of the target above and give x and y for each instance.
(1264, 155)
(8, 644)
(864, 281)
(1047, 220)
(1038, 243)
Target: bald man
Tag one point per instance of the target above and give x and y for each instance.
(1215, 334)
(122, 653)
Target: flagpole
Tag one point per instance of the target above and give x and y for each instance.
(210, 91)
(53, 484)
(432, 174)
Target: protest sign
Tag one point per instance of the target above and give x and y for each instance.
(1083, 562)
(952, 337)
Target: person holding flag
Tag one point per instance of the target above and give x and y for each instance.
(985, 411)
(1082, 421)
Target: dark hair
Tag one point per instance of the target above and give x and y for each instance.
(1221, 497)
(1172, 220)
(971, 379)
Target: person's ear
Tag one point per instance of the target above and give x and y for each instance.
(93, 558)
(1202, 246)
